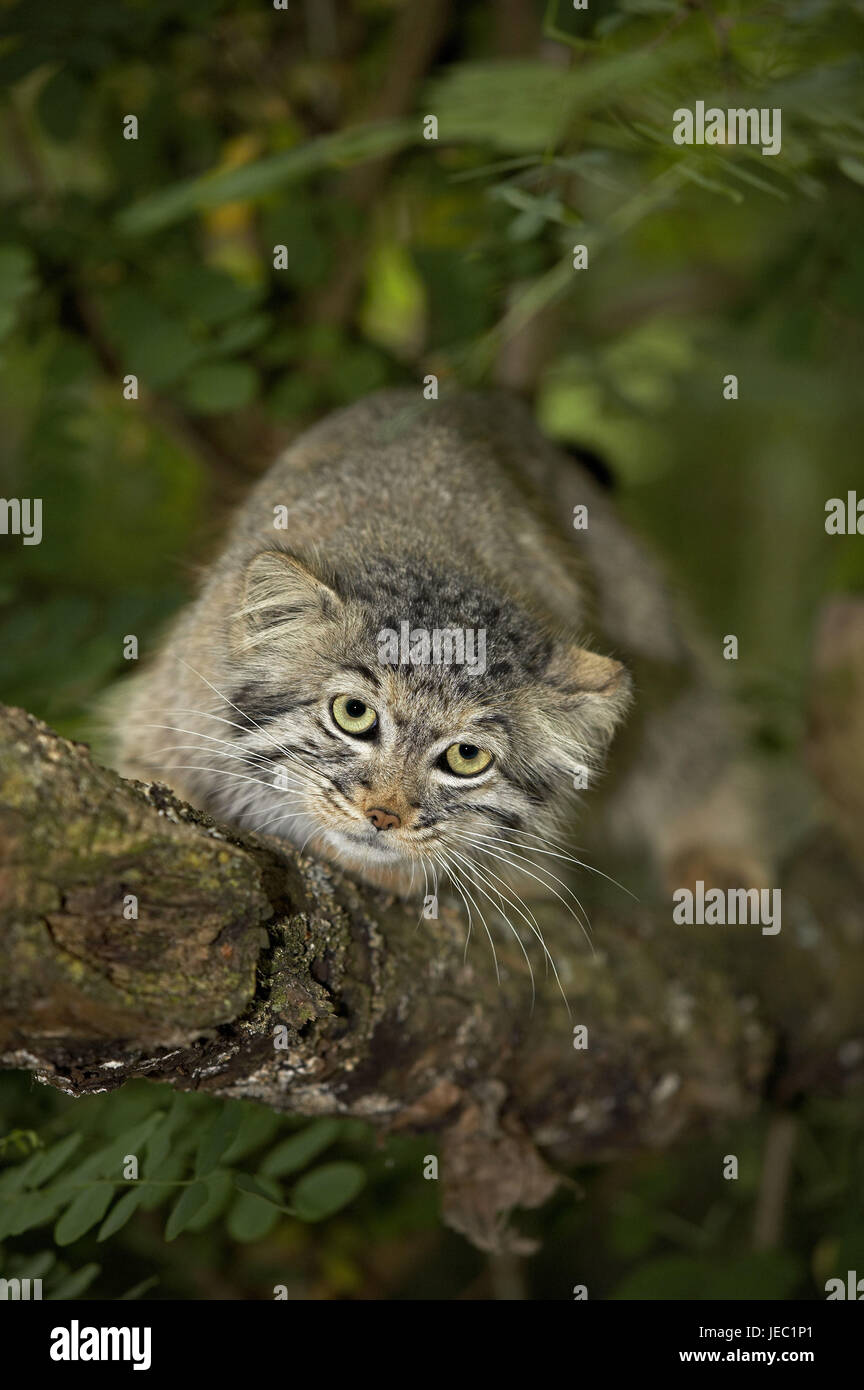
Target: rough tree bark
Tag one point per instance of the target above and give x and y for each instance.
(237, 938)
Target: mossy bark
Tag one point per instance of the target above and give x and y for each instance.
(250, 971)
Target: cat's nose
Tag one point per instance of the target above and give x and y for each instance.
(383, 820)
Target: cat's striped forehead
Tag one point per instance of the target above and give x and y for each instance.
(456, 610)
(421, 702)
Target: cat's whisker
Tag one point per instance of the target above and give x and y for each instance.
(240, 812)
(468, 933)
(316, 830)
(204, 713)
(284, 751)
(486, 874)
(294, 760)
(522, 855)
(196, 733)
(279, 773)
(293, 797)
(519, 868)
(275, 820)
(469, 865)
(456, 880)
(516, 894)
(433, 875)
(425, 887)
(244, 812)
(232, 723)
(560, 854)
(236, 750)
(434, 870)
(448, 871)
(217, 772)
(452, 870)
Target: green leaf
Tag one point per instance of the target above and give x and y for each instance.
(211, 296)
(241, 335)
(174, 1169)
(156, 1151)
(522, 104)
(20, 1141)
(219, 1188)
(258, 1128)
(107, 1162)
(136, 1137)
(294, 395)
(34, 1266)
(28, 1211)
(83, 1212)
(393, 308)
(75, 1284)
(52, 1160)
(327, 1189)
(16, 1178)
(190, 1201)
(344, 147)
(122, 1211)
(695, 175)
(256, 1210)
(267, 1190)
(511, 104)
(298, 1149)
(220, 386)
(852, 168)
(218, 1138)
(154, 345)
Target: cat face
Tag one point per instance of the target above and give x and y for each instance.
(382, 756)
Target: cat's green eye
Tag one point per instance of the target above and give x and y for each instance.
(353, 715)
(466, 759)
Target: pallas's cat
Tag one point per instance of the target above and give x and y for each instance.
(387, 663)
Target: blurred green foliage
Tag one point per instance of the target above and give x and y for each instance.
(185, 1151)
(155, 257)
(217, 1176)
(362, 1220)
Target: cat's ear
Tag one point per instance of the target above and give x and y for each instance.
(279, 593)
(587, 695)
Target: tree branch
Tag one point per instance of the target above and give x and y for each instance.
(251, 971)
